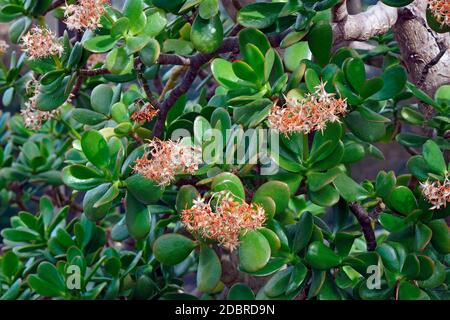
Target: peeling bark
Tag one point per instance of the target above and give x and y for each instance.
(424, 52)
(378, 19)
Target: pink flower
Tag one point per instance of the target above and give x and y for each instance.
(85, 15)
(33, 118)
(309, 114)
(440, 10)
(146, 113)
(41, 43)
(437, 193)
(226, 222)
(163, 160)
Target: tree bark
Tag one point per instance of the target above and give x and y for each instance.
(424, 52)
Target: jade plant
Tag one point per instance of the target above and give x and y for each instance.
(205, 149)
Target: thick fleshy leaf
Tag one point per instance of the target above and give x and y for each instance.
(254, 251)
(172, 248)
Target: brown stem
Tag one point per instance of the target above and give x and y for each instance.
(77, 87)
(174, 59)
(366, 224)
(94, 72)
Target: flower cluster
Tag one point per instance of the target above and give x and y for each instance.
(440, 10)
(41, 43)
(146, 113)
(226, 222)
(437, 193)
(165, 159)
(309, 114)
(33, 118)
(85, 15)
(3, 47)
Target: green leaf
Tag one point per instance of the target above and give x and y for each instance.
(255, 37)
(259, 15)
(422, 236)
(317, 281)
(137, 217)
(222, 71)
(311, 80)
(244, 71)
(394, 79)
(411, 139)
(365, 130)
(325, 197)
(254, 251)
(18, 28)
(95, 148)
(412, 116)
(294, 54)
(392, 223)
(10, 264)
(133, 10)
(120, 27)
(208, 8)
(298, 275)
(272, 238)
(371, 87)
(108, 197)
(226, 181)
(240, 291)
(86, 116)
(43, 287)
(91, 198)
(156, 22)
(393, 255)
(172, 248)
(318, 180)
(303, 232)
(349, 189)
(434, 157)
(48, 272)
(100, 44)
(118, 61)
(441, 236)
(320, 39)
(277, 190)
(150, 53)
(278, 283)
(144, 190)
(319, 256)
(101, 98)
(402, 200)
(207, 34)
(209, 270)
(408, 291)
(355, 73)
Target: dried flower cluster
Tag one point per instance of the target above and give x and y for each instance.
(3, 47)
(146, 113)
(33, 118)
(226, 222)
(163, 160)
(437, 193)
(309, 114)
(85, 15)
(441, 11)
(41, 43)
